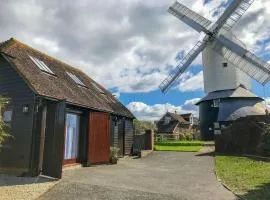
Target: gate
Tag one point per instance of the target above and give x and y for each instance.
(99, 138)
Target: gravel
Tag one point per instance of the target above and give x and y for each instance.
(23, 188)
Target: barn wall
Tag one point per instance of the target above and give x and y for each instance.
(114, 131)
(15, 153)
(129, 134)
(121, 136)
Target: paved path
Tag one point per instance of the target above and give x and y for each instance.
(160, 176)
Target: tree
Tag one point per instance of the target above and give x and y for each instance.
(142, 126)
(4, 129)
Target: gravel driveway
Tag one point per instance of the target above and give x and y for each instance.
(161, 176)
(23, 188)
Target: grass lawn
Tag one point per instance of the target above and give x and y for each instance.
(182, 146)
(247, 177)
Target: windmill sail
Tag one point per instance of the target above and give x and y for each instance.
(243, 59)
(232, 15)
(196, 21)
(183, 65)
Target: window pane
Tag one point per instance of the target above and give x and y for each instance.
(7, 116)
(72, 136)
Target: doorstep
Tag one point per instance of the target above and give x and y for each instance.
(72, 166)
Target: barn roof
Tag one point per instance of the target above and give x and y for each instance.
(60, 85)
(232, 110)
(239, 92)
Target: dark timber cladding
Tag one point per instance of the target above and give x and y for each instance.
(57, 114)
(54, 140)
(16, 152)
(120, 136)
(129, 132)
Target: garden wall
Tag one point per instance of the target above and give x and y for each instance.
(242, 136)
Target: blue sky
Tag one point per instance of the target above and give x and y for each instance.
(132, 49)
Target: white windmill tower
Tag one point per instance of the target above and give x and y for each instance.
(228, 68)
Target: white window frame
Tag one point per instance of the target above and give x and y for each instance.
(216, 103)
(41, 65)
(75, 79)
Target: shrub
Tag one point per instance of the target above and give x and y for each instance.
(182, 136)
(4, 129)
(263, 147)
(197, 135)
(114, 154)
(186, 134)
(142, 126)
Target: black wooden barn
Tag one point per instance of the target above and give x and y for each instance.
(57, 114)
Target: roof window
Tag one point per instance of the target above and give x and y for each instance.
(76, 79)
(98, 88)
(41, 65)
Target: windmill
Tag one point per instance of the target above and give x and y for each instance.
(228, 67)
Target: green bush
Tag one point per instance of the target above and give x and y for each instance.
(142, 126)
(263, 147)
(4, 129)
(186, 134)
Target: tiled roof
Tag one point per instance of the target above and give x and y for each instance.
(174, 122)
(167, 128)
(60, 86)
(177, 117)
(239, 92)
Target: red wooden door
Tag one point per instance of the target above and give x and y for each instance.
(99, 138)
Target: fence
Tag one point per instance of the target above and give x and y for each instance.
(143, 142)
(166, 137)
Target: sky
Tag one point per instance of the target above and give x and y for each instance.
(130, 46)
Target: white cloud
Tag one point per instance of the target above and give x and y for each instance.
(268, 102)
(192, 83)
(128, 49)
(116, 94)
(154, 112)
(50, 46)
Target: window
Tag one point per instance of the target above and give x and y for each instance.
(216, 103)
(191, 119)
(72, 137)
(75, 79)
(167, 120)
(98, 88)
(41, 65)
(7, 117)
(225, 64)
(216, 125)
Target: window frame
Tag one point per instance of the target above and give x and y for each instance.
(41, 66)
(216, 103)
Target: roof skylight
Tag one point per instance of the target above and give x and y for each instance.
(98, 88)
(75, 79)
(41, 65)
